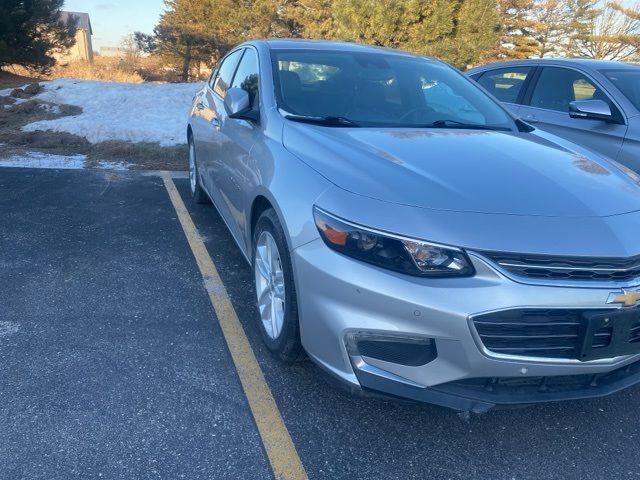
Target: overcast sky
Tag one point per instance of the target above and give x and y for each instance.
(113, 19)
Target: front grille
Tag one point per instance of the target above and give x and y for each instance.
(567, 268)
(634, 336)
(545, 333)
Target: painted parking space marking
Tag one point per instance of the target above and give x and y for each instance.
(281, 451)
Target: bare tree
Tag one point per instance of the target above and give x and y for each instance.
(131, 51)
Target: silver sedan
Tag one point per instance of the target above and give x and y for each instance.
(594, 103)
(410, 235)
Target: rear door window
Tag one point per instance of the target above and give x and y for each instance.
(505, 83)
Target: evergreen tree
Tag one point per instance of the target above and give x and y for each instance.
(632, 15)
(584, 14)
(457, 31)
(610, 32)
(476, 33)
(309, 18)
(553, 30)
(181, 38)
(31, 31)
(518, 30)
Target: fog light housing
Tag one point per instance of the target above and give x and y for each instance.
(410, 351)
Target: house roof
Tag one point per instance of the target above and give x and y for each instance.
(83, 20)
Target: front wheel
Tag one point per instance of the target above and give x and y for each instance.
(275, 289)
(197, 193)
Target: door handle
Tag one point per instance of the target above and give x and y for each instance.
(200, 106)
(215, 123)
(531, 118)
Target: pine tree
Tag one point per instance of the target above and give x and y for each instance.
(518, 30)
(193, 32)
(584, 14)
(457, 31)
(180, 38)
(632, 15)
(476, 33)
(31, 31)
(309, 18)
(553, 30)
(610, 32)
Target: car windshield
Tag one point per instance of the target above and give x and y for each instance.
(380, 90)
(628, 82)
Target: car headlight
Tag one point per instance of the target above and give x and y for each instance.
(394, 252)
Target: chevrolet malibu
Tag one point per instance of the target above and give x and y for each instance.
(411, 236)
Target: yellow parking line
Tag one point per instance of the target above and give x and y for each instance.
(281, 451)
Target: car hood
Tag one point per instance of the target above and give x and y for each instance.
(467, 170)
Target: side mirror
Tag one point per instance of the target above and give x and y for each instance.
(591, 109)
(237, 104)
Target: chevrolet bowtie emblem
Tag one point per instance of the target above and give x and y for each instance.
(627, 298)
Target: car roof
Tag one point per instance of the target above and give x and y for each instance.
(305, 44)
(585, 63)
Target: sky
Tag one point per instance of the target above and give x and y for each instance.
(113, 19)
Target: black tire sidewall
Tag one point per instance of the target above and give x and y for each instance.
(287, 345)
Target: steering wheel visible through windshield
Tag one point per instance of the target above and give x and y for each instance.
(380, 90)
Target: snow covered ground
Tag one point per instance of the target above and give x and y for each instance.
(48, 160)
(146, 112)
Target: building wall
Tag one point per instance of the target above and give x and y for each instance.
(81, 50)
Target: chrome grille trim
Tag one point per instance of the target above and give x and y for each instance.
(555, 270)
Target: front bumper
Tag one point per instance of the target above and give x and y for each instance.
(338, 295)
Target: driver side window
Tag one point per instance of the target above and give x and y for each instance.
(558, 87)
(246, 77)
(225, 73)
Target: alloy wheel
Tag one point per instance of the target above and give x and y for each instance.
(192, 166)
(270, 288)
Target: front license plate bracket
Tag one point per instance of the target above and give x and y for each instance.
(619, 323)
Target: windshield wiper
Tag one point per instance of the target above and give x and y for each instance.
(328, 121)
(461, 125)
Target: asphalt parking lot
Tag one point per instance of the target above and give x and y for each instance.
(113, 363)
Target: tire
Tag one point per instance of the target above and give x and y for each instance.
(197, 192)
(283, 342)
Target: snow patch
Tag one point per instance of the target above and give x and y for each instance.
(44, 160)
(112, 165)
(55, 109)
(8, 328)
(58, 162)
(131, 112)
(7, 91)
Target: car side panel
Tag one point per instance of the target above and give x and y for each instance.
(599, 136)
(630, 152)
(288, 184)
(209, 139)
(200, 128)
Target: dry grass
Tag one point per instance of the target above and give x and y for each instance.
(13, 80)
(107, 69)
(103, 68)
